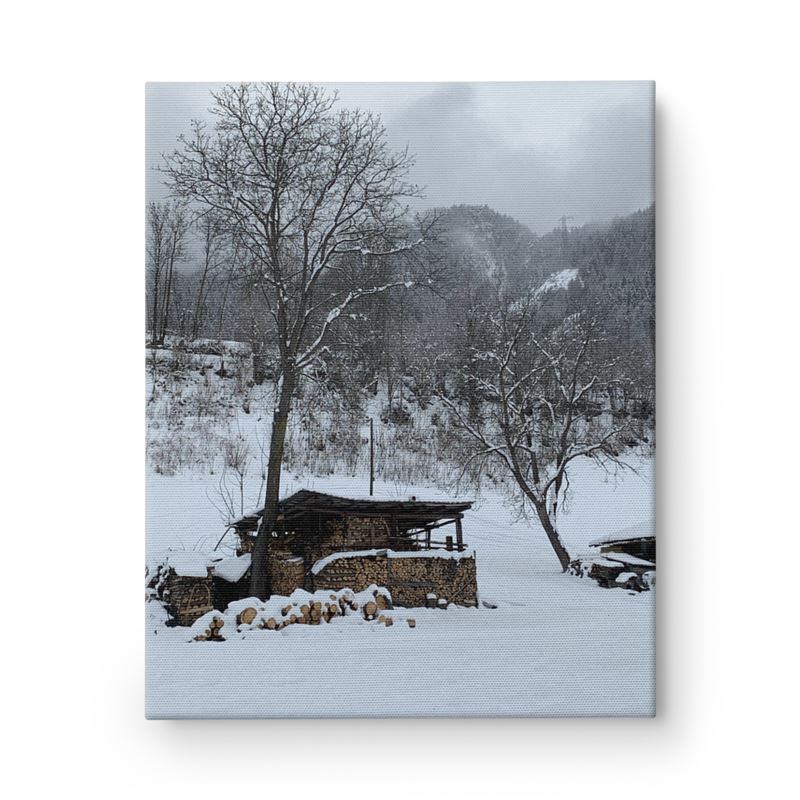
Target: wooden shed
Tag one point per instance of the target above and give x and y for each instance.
(311, 526)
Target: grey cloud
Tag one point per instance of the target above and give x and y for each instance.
(534, 151)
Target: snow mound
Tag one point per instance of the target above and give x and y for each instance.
(232, 569)
(188, 564)
(324, 562)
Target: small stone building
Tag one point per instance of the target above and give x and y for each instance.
(414, 548)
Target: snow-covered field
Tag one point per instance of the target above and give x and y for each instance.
(555, 644)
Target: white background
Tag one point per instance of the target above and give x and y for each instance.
(73, 221)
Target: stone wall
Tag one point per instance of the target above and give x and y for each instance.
(409, 579)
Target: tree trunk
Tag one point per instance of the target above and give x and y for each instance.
(259, 580)
(553, 537)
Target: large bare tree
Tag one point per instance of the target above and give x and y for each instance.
(542, 388)
(304, 189)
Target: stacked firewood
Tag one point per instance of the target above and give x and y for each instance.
(301, 608)
(210, 629)
(312, 611)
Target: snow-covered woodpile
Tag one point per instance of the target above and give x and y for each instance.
(331, 542)
(410, 577)
(373, 604)
(616, 570)
(184, 584)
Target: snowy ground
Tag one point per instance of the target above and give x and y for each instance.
(556, 644)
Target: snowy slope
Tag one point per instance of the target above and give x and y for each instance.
(555, 644)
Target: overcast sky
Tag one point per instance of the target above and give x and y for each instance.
(534, 151)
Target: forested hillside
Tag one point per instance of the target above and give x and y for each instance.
(405, 340)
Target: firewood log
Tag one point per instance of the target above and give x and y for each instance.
(412, 623)
(246, 616)
(370, 609)
(285, 610)
(271, 624)
(388, 622)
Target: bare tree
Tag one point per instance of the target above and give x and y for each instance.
(541, 389)
(167, 227)
(301, 187)
(213, 241)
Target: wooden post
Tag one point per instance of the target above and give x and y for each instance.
(371, 455)
(459, 536)
(449, 542)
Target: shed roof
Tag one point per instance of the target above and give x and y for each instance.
(309, 502)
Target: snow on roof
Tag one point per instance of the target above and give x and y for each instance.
(641, 531)
(324, 562)
(307, 500)
(232, 569)
(632, 561)
(188, 564)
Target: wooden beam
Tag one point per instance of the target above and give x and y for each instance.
(459, 536)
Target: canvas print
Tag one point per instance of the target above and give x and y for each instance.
(400, 399)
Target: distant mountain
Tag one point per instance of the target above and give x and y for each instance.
(490, 245)
(496, 247)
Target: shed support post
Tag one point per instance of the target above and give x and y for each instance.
(459, 536)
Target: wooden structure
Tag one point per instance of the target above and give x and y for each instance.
(311, 526)
(307, 520)
(634, 544)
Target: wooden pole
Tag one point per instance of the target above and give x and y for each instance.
(459, 536)
(371, 455)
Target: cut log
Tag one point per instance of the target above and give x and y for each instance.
(370, 609)
(285, 610)
(388, 622)
(412, 623)
(271, 624)
(246, 617)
